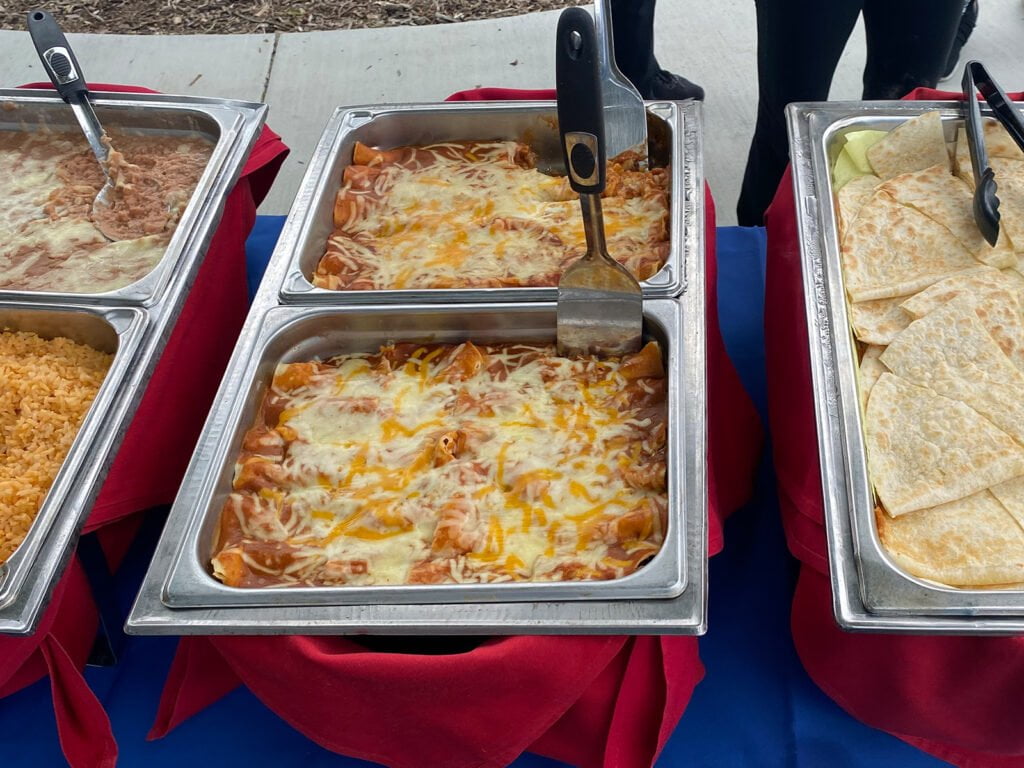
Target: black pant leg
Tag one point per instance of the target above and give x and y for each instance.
(908, 44)
(633, 36)
(798, 46)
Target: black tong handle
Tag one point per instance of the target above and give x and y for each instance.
(580, 106)
(58, 59)
(973, 128)
(986, 202)
(1004, 110)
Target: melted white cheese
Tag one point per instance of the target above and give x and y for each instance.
(536, 482)
(485, 222)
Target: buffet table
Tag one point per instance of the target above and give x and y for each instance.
(755, 705)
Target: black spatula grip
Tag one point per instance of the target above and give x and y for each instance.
(580, 106)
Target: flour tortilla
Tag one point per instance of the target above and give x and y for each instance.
(1011, 496)
(950, 351)
(1010, 182)
(946, 199)
(925, 449)
(871, 368)
(878, 321)
(851, 197)
(970, 281)
(996, 298)
(893, 250)
(973, 541)
(917, 144)
(997, 142)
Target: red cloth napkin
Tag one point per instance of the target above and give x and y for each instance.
(149, 466)
(958, 698)
(589, 701)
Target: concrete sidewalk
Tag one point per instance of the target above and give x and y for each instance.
(304, 76)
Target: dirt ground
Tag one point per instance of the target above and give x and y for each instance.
(261, 16)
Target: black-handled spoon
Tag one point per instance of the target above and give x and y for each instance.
(62, 68)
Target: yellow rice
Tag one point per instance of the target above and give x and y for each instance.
(46, 387)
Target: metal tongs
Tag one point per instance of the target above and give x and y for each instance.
(62, 67)
(600, 308)
(986, 203)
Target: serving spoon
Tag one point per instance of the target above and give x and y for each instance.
(62, 67)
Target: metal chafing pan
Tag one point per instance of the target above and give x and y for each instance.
(295, 334)
(235, 126)
(179, 573)
(218, 121)
(118, 330)
(675, 138)
(870, 592)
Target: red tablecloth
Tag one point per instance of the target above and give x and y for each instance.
(958, 698)
(590, 701)
(150, 464)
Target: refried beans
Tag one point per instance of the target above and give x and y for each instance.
(51, 236)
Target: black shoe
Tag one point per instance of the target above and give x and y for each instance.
(968, 21)
(665, 85)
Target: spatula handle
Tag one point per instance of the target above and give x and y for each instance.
(58, 59)
(580, 107)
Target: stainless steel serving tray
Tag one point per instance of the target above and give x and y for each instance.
(118, 330)
(41, 561)
(296, 334)
(218, 121)
(675, 141)
(684, 614)
(870, 592)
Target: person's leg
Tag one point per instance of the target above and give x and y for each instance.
(798, 46)
(908, 44)
(968, 21)
(633, 36)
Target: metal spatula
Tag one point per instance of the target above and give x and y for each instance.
(600, 310)
(625, 118)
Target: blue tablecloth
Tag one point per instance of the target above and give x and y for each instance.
(755, 707)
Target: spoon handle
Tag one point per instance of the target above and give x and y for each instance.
(62, 67)
(58, 59)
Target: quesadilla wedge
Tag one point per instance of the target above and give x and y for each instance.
(969, 542)
(925, 449)
(950, 352)
(892, 250)
(917, 144)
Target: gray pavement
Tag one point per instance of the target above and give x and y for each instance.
(304, 76)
